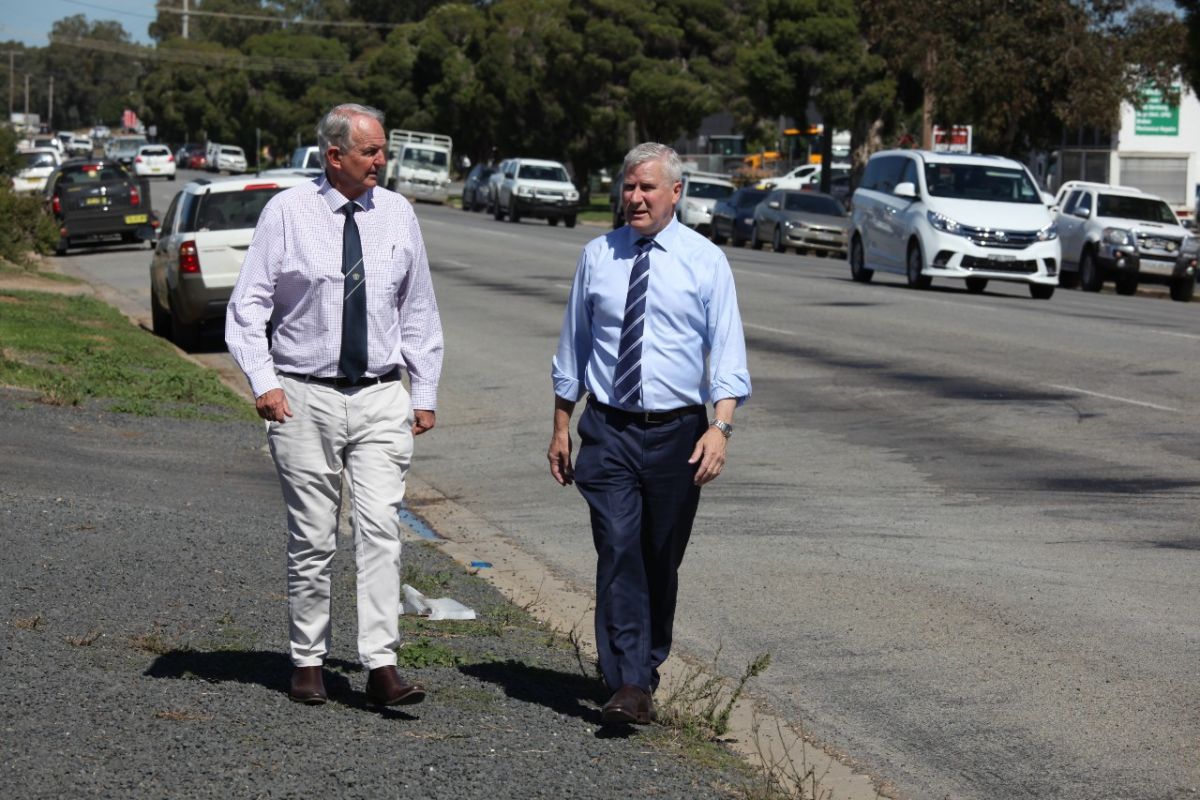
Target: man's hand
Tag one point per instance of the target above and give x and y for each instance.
(423, 420)
(710, 453)
(273, 406)
(560, 458)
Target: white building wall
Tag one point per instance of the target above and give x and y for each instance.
(1158, 160)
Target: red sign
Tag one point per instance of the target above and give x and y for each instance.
(954, 139)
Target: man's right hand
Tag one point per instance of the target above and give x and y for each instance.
(273, 406)
(560, 458)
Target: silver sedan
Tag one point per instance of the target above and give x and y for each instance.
(804, 221)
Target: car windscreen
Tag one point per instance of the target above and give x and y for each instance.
(232, 151)
(1146, 209)
(225, 211)
(992, 183)
(750, 198)
(536, 172)
(421, 158)
(813, 204)
(92, 174)
(31, 160)
(708, 191)
(155, 151)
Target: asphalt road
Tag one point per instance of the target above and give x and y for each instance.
(964, 526)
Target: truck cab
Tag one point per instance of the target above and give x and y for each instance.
(419, 165)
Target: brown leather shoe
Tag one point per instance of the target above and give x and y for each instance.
(308, 686)
(385, 687)
(630, 705)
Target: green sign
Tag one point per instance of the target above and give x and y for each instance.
(1156, 117)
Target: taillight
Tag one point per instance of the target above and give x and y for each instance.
(170, 159)
(137, 160)
(56, 204)
(135, 197)
(189, 258)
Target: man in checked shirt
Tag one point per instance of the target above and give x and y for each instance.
(338, 268)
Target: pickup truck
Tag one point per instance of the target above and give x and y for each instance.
(418, 165)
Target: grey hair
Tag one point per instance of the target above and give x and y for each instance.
(336, 127)
(653, 151)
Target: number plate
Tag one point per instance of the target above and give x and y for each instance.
(135, 219)
(94, 201)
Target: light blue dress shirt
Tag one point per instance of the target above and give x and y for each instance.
(693, 350)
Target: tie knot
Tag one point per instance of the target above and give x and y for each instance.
(349, 209)
(644, 244)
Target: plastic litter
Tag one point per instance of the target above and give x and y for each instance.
(481, 564)
(435, 609)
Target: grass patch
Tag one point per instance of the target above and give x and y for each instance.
(701, 701)
(75, 349)
(28, 623)
(86, 640)
(425, 653)
(596, 211)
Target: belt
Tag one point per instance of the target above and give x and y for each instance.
(346, 383)
(646, 417)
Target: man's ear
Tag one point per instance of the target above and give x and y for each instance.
(333, 156)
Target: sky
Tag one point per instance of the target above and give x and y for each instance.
(29, 21)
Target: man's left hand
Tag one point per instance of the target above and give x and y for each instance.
(710, 453)
(423, 420)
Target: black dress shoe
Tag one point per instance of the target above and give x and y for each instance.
(630, 705)
(308, 686)
(385, 687)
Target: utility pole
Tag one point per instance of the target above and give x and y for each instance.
(185, 19)
(26, 98)
(50, 105)
(12, 76)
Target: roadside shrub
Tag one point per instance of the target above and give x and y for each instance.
(24, 227)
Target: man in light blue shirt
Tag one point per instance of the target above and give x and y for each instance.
(652, 333)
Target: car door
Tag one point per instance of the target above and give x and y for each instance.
(899, 221)
(1069, 228)
(164, 252)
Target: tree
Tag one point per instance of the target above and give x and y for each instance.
(1191, 65)
(90, 84)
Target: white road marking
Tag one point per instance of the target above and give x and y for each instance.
(1114, 398)
(1174, 333)
(769, 330)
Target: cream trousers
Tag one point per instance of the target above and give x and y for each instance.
(365, 435)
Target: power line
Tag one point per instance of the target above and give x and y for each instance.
(280, 20)
(122, 12)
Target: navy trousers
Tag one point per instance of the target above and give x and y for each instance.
(638, 486)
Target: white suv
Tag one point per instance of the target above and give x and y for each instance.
(700, 193)
(203, 240)
(536, 188)
(978, 218)
(1121, 233)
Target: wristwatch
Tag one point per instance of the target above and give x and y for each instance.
(724, 427)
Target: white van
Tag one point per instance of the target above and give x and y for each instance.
(977, 218)
(701, 191)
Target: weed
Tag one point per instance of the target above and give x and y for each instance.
(154, 642)
(702, 700)
(424, 653)
(28, 623)
(780, 776)
(83, 641)
(430, 585)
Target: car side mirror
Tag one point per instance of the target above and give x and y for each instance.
(906, 190)
(773, 204)
(1082, 213)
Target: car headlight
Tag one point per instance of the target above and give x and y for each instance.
(1048, 233)
(572, 196)
(1118, 237)
(943, 223)
(524, 191)
(695, 208)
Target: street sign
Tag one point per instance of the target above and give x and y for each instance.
(953, 139)
(1156, 117)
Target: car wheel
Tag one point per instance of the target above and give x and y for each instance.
(1090, 279)
(60, 248)
(466, 204)
(1127, 283)
(915, 264)
(976, 285)
(171, 178)
(569, 221)
(1183, 289)
(186, 335)
(755, 242)
(160, 320)
(1040, 291)
(497, 212)
(717, 236)
(553, 221)
(513, 214)
(858, 268)
(777, 241)
(735, 240)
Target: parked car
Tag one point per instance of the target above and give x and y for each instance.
(191, 155)
(46, 140)
(616, 199)
(733, 217)
(81, 146)
(1184, 288)
(154, 161)
(98, 202)
(205, 234)
(973, 217)
(308, 157)
(36, 166)
(474, 193)
(225, 158)
(805, 221)
(493, 184)
(1121, 234)
(700, 192)
(796, 178)
(123, 148)
(537, 188)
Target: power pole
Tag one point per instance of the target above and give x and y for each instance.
(12, 75)
(26, 98)
(185, 19)
(50, 105)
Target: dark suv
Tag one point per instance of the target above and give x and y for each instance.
(98, 202)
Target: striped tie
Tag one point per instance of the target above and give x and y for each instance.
(353, 358)
(627, 381)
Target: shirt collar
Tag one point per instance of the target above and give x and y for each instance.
(336, 200)
(664, 239)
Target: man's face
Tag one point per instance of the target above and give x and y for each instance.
(357, 168)
(649, 197)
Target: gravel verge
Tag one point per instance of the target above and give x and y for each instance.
(144, 632)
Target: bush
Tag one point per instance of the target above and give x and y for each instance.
(24, 226)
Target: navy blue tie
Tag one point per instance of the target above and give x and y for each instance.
(353, 359)
(627, 375)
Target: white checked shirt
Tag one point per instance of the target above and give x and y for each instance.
(292, 276)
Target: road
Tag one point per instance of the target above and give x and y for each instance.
(964, 526)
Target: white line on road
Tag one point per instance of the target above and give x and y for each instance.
(1114, 398)
(769, 330)
(1174, 333)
